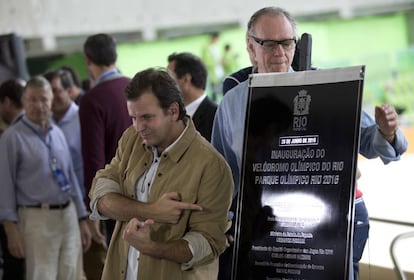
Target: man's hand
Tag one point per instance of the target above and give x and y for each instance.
(168, 208)
(97, 235)
(229, 240)
(137, 234)
(387, 120)
(86, 236)
(15, 242)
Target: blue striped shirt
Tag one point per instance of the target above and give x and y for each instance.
(25, 171)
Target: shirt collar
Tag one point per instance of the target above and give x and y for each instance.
(178, 139)
(73, 109)
(17, 118)
(180, 145)
(193, 106)
(35, 127)
(107, 75)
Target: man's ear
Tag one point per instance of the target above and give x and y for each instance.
(6, 101)
(174, 110)
(187, 78)
(87, 60)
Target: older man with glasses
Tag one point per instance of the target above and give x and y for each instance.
(271, 41)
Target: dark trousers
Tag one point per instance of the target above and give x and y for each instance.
(94, 260)
(109, 229)
(13, 268)
(361, 232)
(225, 264)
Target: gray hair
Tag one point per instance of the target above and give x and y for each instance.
(39, 82)
(271, 11)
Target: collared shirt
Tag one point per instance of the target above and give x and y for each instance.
(144, 182)
(373, 144)
(110, 74)
(17, 118)
(228, 128)
(193, 106)
(202, 174)
(25, 170)
(70, 126)
(142, 190)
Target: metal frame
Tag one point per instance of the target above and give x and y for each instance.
(397, 267)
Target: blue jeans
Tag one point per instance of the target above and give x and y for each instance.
(361, 229)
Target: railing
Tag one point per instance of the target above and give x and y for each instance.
(397, 267)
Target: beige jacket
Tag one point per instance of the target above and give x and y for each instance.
(192, 168)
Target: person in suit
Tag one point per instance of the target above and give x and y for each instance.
(191, 76)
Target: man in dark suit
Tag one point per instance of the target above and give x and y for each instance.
(191, 76)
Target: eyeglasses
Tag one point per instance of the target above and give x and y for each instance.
(33, 101)
(271, 45)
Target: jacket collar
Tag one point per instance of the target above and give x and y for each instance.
(179, 148)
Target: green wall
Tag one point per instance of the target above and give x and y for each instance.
(336, 43)
(382, 43)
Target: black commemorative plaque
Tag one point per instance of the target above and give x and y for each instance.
(295, 205)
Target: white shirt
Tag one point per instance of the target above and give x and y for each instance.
(142, 189)
(193, 106)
